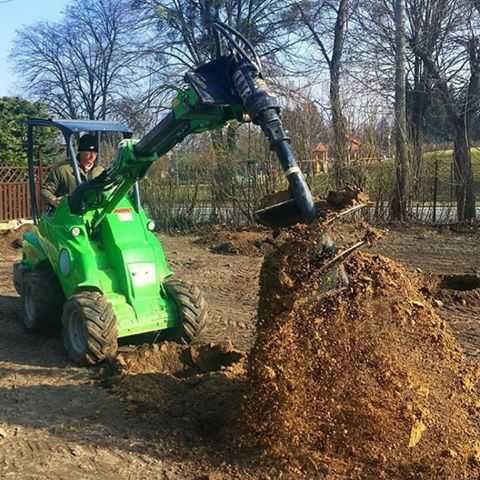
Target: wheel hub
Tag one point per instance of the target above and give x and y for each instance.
(29, 309)
(76, 332)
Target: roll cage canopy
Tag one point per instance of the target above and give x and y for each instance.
(69, 128)
(77, 126)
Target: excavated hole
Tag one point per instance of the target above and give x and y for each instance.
(460, 282)
(197, 387)
(176, 360)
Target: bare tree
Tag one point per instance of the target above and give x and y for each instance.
(400, 193)
(441, 64)
(326, 23)
(180, 34)
(79, 65)
(306, 127)
(375, 56)
(455, 72)
(180, 37)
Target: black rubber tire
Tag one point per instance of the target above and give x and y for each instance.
(90, 332)
(43, 300)
(191, 309)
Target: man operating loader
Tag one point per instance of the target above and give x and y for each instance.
(61, 180)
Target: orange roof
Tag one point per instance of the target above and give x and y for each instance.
(321, 147)
(353, 140)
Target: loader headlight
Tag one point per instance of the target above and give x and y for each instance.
(151, 225)
(64, 262)
(75, 231)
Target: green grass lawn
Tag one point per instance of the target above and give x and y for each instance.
(378, 179)
(447, 155)
(444, 158)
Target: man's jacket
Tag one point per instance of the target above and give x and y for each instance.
(61, 180)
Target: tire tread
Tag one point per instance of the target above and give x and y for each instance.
(100, 324)
(191, 307)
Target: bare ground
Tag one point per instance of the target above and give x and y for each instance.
(57, 421)
(447, 253)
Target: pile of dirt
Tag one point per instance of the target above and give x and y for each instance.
(237, 242)
(348, 232)
(11, 240)
(365, 383)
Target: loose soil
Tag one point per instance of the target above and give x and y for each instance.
(364, 383)
(172, 413)
(237, 242)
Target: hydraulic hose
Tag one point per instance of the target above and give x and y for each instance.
(264, 109)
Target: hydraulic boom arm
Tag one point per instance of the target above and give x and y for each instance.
(227, 88)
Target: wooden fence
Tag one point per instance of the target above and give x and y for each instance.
(15, 192)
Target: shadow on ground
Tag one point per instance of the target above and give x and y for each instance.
(147, 414)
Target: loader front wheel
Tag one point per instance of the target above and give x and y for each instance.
(89, 328)
(191, 310)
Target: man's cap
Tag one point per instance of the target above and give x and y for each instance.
(88, 143)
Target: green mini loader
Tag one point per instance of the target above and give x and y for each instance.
(93, 267)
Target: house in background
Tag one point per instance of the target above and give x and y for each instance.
(321, 161)
(354, 147)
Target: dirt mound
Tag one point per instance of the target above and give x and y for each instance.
(366, 383)
(240, 242)
(11, 240)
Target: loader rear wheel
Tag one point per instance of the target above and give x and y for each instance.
(42, 300)
(89, 328)
(191, 309)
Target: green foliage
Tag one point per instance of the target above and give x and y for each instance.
(13, 132)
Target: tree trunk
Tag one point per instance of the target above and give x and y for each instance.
(339, 124)
(417, 105)
(340, 149)
(401, 189)
(334, 61)
(463, 174)
(418, 136)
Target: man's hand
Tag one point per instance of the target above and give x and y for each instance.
(55, 202)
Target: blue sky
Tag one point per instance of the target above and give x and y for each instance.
(14, 15)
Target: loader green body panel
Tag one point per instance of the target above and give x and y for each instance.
(122, 259)
(98, 238)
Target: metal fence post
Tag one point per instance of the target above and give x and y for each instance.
(435, 192)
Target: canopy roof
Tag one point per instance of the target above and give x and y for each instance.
(75, 126)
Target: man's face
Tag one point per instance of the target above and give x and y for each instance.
(87, 160)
